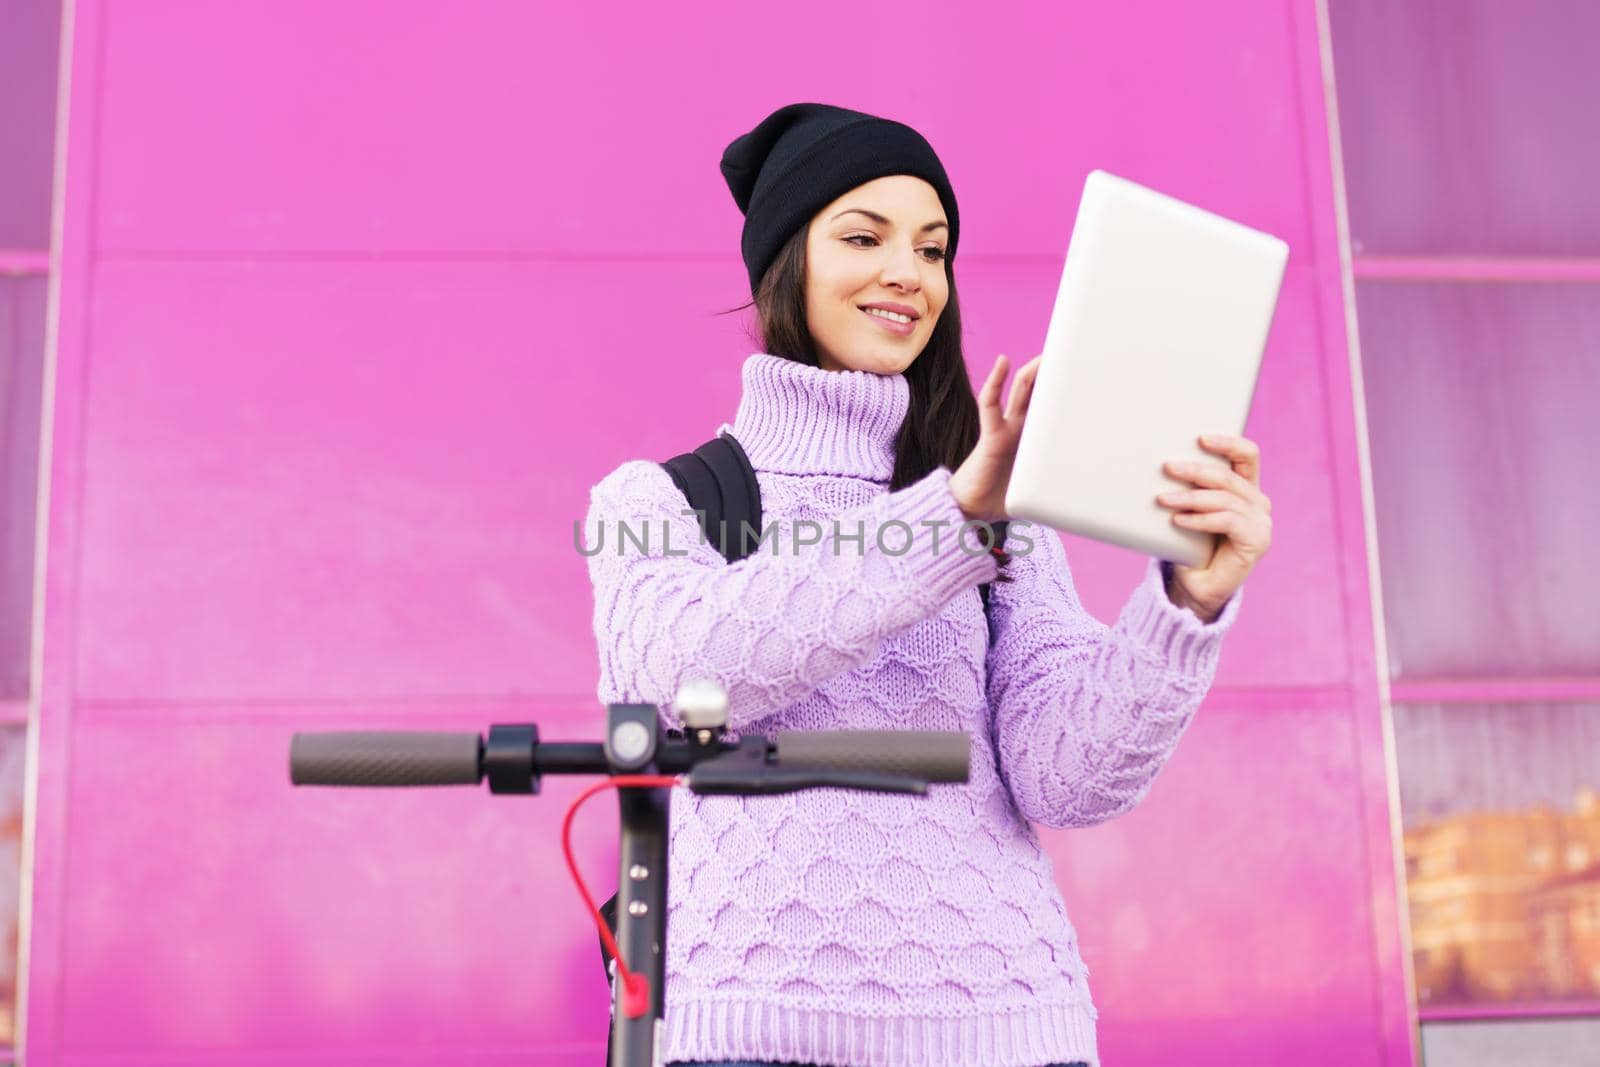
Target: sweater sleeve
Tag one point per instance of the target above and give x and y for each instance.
(776, 624)
(1085, 715)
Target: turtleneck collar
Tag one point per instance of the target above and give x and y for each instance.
(795, 419)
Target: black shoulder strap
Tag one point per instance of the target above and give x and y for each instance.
(718, 480)
(999, 540)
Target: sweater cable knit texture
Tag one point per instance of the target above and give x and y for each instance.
(867, 930)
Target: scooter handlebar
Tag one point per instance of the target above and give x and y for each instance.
(379, 758)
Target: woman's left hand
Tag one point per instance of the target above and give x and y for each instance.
(1227, 502)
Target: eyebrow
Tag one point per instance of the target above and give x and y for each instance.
(875, 217)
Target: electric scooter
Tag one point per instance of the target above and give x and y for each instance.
(643, 762)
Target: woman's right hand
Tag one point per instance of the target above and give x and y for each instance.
(979, 484)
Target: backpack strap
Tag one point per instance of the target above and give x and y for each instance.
(999, 541)
(719, 481)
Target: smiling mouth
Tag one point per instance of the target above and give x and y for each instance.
(889, 316)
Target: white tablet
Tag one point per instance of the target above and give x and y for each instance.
(1156, 338)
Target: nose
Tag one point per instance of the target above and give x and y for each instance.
(900, 267)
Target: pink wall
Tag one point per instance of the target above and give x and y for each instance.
(358, 300)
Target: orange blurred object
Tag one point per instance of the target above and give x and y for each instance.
(1505, 906)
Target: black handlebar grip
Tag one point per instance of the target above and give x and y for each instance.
(379, 758)
(931, 755)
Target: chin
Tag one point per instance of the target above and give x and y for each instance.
(897, 363)
(895, 360)
(877, 357)
(890, 357)
(882, 362)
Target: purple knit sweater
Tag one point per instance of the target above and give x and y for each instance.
(873, 930)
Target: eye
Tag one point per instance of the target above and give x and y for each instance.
(934, 253)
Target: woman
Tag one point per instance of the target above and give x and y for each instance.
(869, 930)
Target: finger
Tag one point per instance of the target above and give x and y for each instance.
(1227, 523)
(1249, 534)
(1243, 454)
(1204, 500)
(1209, 474)
(989, 395)
(1022, 389)
(996, 379)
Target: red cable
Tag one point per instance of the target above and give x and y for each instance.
(635, 986)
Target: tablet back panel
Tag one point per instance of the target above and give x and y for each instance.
(1157, 336)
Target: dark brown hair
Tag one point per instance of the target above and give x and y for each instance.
(941, 426)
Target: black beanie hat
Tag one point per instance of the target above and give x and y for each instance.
(804, 156)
